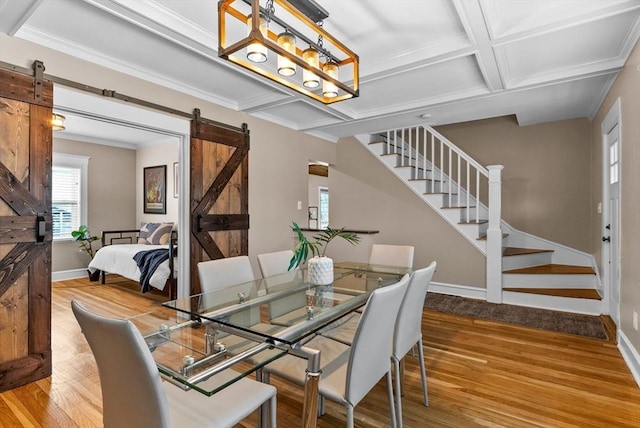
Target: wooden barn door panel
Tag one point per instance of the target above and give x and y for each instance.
(219, 193)
(25, 228)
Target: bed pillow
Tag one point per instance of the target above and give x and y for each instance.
(155, 233)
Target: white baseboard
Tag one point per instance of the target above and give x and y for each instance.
(62, 275)
(630, 355)
(458, 290)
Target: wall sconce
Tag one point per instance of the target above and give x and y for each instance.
(282, 43)
(57, 122)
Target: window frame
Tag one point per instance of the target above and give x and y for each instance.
(64, 160)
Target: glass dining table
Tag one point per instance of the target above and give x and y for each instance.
(207, 341)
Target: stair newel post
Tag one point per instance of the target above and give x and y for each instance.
(494, 236)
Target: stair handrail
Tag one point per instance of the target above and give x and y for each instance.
(492, 174)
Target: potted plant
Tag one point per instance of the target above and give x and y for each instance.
(85, 239)
(320, 267)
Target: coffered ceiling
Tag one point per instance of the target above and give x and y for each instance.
(421, 61)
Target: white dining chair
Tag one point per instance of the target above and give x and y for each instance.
(408, 332)
(221, 280)
(350, 372)
(275, 271)
(274, 263)
(391, 255)
(222, 273)
(133, 394)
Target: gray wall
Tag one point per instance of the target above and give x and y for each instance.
(546, 179)
(111, 196)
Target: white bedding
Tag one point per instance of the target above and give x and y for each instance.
(119, 259)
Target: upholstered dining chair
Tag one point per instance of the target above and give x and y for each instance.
(274, 263)
(391, 255)
(222, 273)
(407, 331)
(134, 395)
(350, 372)
(275, 271)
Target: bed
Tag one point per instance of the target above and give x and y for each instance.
(132, 254)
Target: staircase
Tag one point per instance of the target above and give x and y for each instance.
(522, 269)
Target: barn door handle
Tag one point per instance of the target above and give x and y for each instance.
(42, 228)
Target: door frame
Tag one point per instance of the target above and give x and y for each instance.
(165, 124)
(613, 118)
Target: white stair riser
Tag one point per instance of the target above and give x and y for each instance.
(410, 173)
(474, 231)
(526, 260)
(514, 280)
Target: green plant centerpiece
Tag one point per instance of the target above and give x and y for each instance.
(320, 267)
(85, 240)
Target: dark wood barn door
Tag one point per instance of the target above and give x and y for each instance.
(25, 227)
(219, 193)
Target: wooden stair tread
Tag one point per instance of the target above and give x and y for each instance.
(579, 293)
(515, 251)
(440, 193)
(456, 206)
(554, 269)
(474, 222)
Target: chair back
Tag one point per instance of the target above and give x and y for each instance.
(370, 356)
(222, 273)
(391, 255)
(276, 273)
(274, 263)
(132, 392)
(408, 328)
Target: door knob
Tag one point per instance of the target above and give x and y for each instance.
(606, 239)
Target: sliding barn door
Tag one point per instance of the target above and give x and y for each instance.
(219, 193)
(25, 228)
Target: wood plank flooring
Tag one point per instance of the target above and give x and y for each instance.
(481, 374)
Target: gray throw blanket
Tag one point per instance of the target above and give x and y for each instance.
(148, 262)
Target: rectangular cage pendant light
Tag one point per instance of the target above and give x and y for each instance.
(285, 45)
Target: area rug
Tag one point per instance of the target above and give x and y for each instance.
(563, 322)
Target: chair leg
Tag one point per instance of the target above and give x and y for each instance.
(423, 374)
(392, 408)
(349, 416)
(272, 412)
(396, 368)
(321, 409)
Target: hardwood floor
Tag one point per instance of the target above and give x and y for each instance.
(480, 374)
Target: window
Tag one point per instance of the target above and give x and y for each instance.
(69, 194)
(323, 198)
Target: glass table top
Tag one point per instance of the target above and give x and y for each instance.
(210, 340)
(286, 308)
(191, 355)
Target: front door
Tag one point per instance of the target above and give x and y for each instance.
(25, 227)
(219, 196)
(611, 236)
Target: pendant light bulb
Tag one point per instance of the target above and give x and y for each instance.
(329, 89)
(311, 57)
(257, 52)
(286, 41)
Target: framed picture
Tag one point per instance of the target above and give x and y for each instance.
(155, 189)
(175, 179)
(313, 217)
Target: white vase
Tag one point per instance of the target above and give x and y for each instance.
(320, 270)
